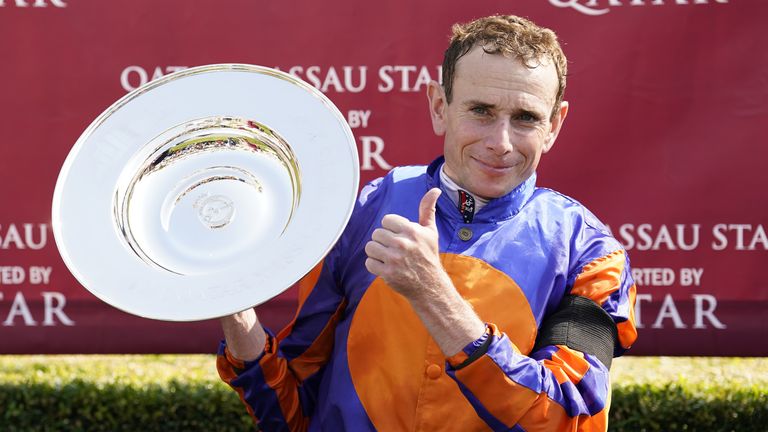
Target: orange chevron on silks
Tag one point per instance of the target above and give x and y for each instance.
(599, 279)
(226, 365)
(567, 365)
(306, 284)
(628, 329)
(278, 377)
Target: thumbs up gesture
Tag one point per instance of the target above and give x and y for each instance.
(405, 254)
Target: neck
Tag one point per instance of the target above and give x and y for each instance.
(450, 187)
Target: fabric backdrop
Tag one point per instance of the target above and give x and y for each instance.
(665, 140)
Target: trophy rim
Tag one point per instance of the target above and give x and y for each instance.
(88, 238)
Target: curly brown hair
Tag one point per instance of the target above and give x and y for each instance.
(510, 36)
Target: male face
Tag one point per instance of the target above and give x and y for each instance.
(498, 122)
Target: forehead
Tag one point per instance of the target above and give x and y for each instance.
(497, 76)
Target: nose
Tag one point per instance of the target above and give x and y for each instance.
(499, 138)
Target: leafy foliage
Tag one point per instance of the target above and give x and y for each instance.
(117, 393)
(689, 394)
(183, 392)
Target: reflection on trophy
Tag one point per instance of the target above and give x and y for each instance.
(205, 192)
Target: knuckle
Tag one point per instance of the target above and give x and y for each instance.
(402, 243)
(397, 259)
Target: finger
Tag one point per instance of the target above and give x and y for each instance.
(383, 236)
(395, 223)
(374, 266)
(427, 207)
(376, 251)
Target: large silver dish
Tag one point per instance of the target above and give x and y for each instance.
(206, 192)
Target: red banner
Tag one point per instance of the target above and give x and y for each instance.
(664, 140)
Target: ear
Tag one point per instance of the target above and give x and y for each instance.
(557, 123)
(437, 107)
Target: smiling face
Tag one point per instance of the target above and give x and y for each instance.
(498, 123)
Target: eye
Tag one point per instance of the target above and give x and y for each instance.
(480, 110)
(528, 117)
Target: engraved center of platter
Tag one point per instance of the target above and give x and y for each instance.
(215, 211)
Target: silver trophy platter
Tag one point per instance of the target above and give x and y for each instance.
(206, 192)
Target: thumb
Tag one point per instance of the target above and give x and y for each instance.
(427, 207)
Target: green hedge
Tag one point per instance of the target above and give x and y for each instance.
(183, 393)
(672, 394)
(117, 393)
(83, 406)
(672, 407)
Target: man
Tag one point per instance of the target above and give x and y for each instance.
(460, 296)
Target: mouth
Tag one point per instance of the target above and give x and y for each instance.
(495, 168)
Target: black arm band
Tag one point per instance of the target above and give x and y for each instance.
(581, 324)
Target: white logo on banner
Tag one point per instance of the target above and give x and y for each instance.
(134, 77)
(32, 280)
(35, 3)
(600, 7)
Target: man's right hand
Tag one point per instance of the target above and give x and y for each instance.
(244, 335)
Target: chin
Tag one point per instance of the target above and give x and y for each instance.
(490, 193)
(495, 191)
